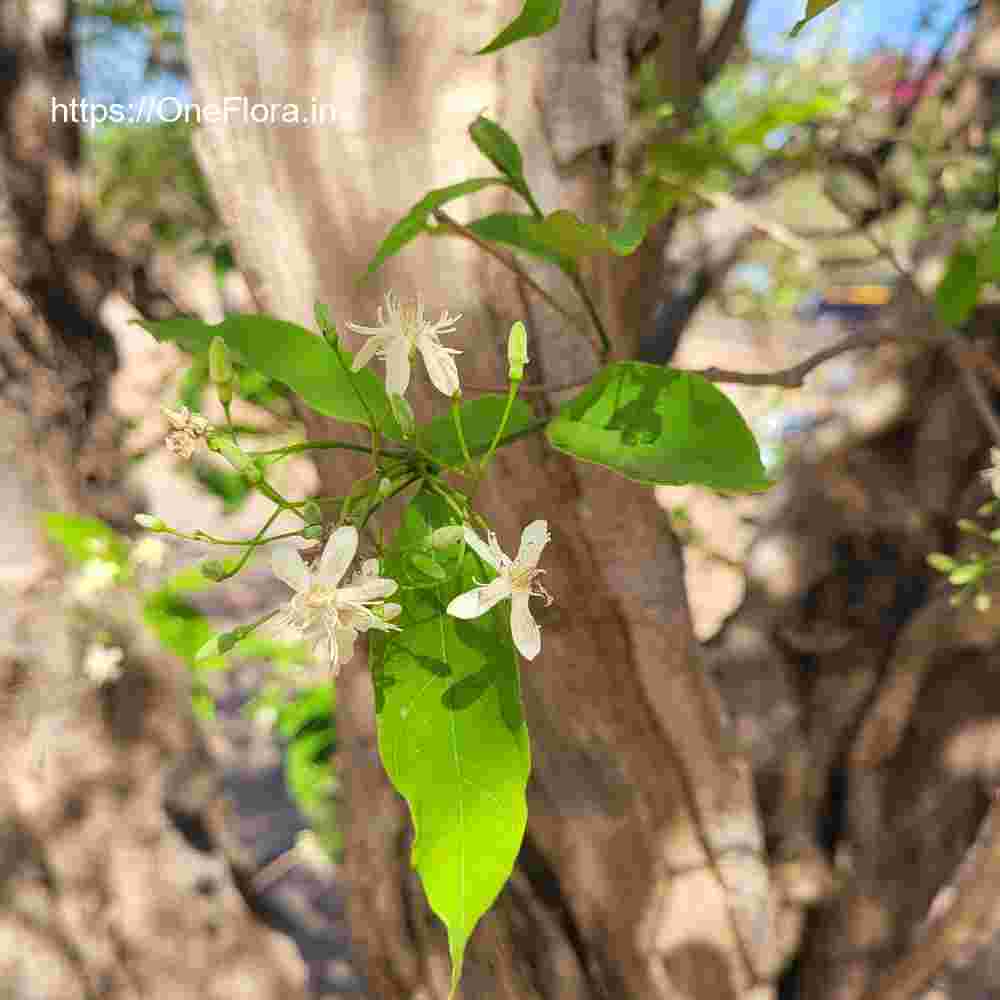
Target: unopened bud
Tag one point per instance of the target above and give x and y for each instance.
(403, 413)
(312, 531)
(941, 562)
(213, 569)
(517, 351)
(312, 512)
(220, 368)
(237, 458)
(150, 523)
(384, 487)
(450, 534)
(326, 325)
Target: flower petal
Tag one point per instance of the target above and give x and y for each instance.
(523, 628)
(534, 538)
(288, 567)
(370, 589)
(440, 366)
(344, 647)
(337, 555)
(481, 548)
(397, 366)
(366, 352)
(478, 601)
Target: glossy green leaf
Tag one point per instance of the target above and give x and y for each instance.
(480, 420)
(813, 8)
(291, 355)
(415, 221)
(451, 730)
(503, 152)
(536, 17)
(661, 426)
(958, 290)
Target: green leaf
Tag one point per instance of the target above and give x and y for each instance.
(989, 256)
(415, 221)
(536, 17)
(291, 355)
(180, 627)
(958, 290)
(480, 420)
(519, 230)
(451, 732)
(661, 426)
(813, 8)
(503, 152)
(84, 538)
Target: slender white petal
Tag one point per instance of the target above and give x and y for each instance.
(484, 551)
(372, 589)
(366, 352)
(288, 567)
(523, 627)
(391, 611)
(344, 647)
(533, 539)
(440, 365)
(478, 601)
(337, 555)
(397, 366)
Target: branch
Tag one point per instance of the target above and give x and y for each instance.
(973, 893)
(719, 50)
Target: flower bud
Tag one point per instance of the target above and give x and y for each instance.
(384, 487)
(450, 534)
(312, 531)
(237, 458)
(214, 569)
(220, 368)
(312, 512)
(150, 523)
(403, 413)
(941, 562)
(517, 351)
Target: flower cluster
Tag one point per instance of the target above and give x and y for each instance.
(186, 430)
(322, 612)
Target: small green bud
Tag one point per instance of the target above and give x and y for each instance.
(969, 527)
(995, 535)
(403, 413)
(427, 566)
(326, 325)
(941, 562)
(213, 569)
(384, 487)
(312, 512)
(968, 573)
(151, 523)
(220, 368)
(517, 351)
(450, 534)
(237, 458)
(312, 531)
(987, 508)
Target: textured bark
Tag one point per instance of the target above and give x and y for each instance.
(643, 872)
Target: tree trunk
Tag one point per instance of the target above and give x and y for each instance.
(100, 894)
(642, 873)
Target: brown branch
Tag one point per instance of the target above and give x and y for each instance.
(719, 50)
(974, 893)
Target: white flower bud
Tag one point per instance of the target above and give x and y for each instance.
(150, 523)
(450, 534)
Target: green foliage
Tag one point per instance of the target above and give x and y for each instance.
(536, 17)
(958, 289)
(501, 150)
(660, 426)
(520, 230)
(84, 538)
(415, 221)
(451, 730)
(180, 627)
(813, 9)
(293, 356)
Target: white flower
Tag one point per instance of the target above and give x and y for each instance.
(102, 664)
(397, 338)
(96, 576)
(149, 552)
(326, 614)
(514, 580)
(992, 474)
(186, 430)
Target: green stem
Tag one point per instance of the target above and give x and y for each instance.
(532, 428)
(201, 536)
(335, 347)
(581, 289)
(399, 489)
(456, 416)
(511, 394)
(254, 542)
(292, 449)
(447, 497)
(273, 495)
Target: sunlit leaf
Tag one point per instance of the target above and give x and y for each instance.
(813, 8)
(536, 17)
(958, 290)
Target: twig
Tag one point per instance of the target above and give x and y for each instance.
(509, 261)
(974, 890)
(719, 50)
